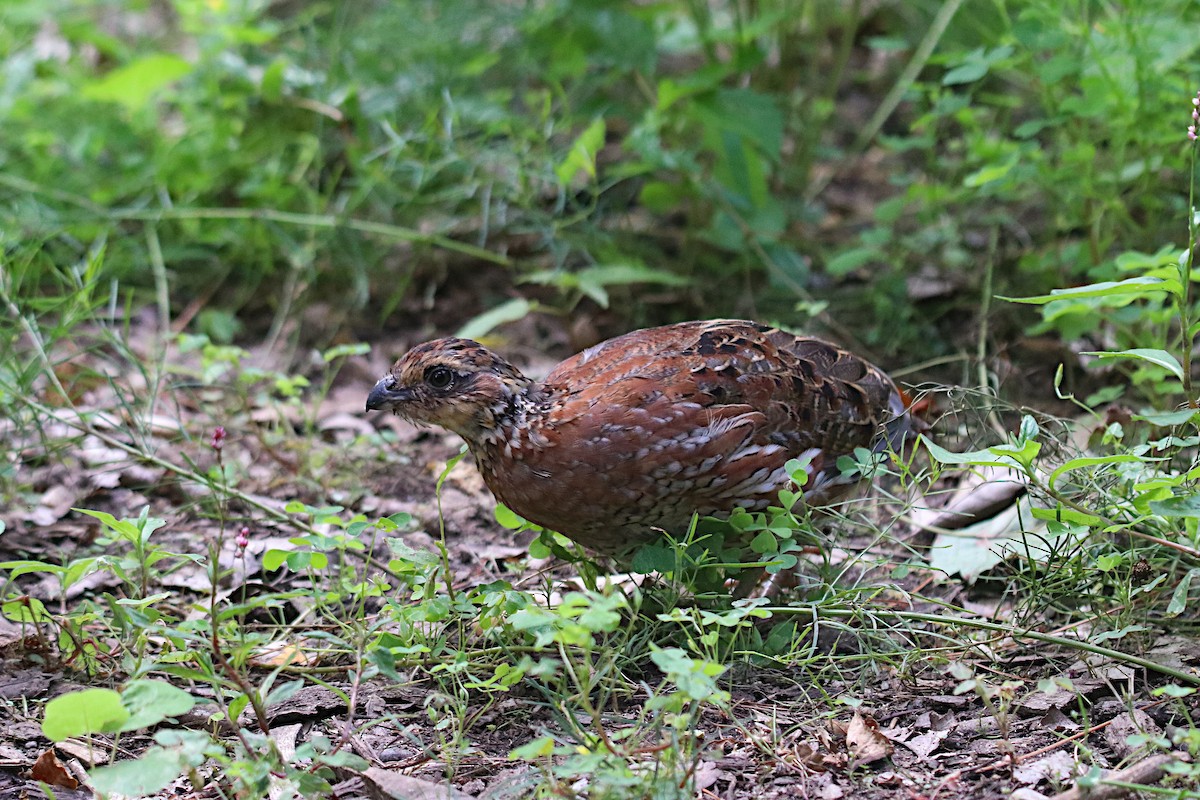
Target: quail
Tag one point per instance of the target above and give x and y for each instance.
(633, 436)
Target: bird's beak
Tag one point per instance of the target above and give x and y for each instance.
(387, 395)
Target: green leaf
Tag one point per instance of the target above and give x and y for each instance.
(1159, 358)
(124, 528)
(1108, 636)
(28, 610)
(150, 702)
(300, 560)
(847, 261)
(355, 349)
(976, 64)
(1163, 419)
(582, 156)
(764, 542)
(1079, 463)
(271, 84)
(25, 567)
(991, 172)
(136, 83)
(654, 558)
(1067, 515)
(1187, 505)
(283, 692)
(509, 518)
(973, 458)
(538, 748)
(508, 311)
(1133, 286)
(623, 274)
(83, 712)
(140, 777)
(273, 559)
(1179, 597)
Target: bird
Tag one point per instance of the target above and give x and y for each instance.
(630, 438)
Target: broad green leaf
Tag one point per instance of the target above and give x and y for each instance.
(1136, 261)
(150, 702)
(1141, 285)
(509, 518)
(1159, 358)
(744, 114)
(135, 84)
(274, 559)
(539, 748)
(1080, 463)
(847, 261)
(654, 558)
(140, 777)
(1163, 419)
(26, 610)
(1025, 451)
(764, 542)
(1187, 505)
(83, 712)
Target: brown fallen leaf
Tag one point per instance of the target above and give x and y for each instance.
(49, 770)
(865, 741)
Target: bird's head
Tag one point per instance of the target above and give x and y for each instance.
(457, 384)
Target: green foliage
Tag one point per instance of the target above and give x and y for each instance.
(305, 146)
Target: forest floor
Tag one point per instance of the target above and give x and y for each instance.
(915, 711)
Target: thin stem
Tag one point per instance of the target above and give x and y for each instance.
(1185, 277)
(895, 95)
(1014, 632)
(381, 229)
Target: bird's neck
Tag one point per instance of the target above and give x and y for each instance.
(509, 426)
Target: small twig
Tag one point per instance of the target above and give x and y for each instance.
(1146, 772)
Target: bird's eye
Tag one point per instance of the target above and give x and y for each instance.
(439, 377)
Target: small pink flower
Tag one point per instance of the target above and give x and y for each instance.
(218, 438)
(243, 540)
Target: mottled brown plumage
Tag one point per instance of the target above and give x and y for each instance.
(641, 431)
